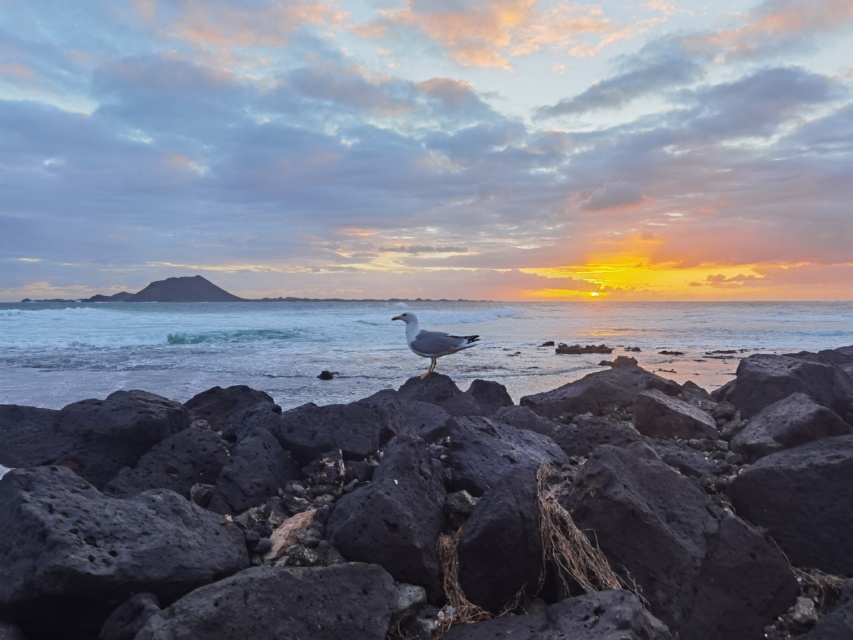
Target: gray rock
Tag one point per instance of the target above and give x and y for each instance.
(395, 521)
(523, 418)
(790, 422)
(705, 573)
(425, 420)
(439, 389)
(804, 498)
(257, 469)
(129, 618)
(602, 393)
(325, 603)
(490, 396)
(838, 623)
(482, 451)
(607, 615)
(216, 405)
(500, 551)
(245, 422)
(30, 436)
(177, 463)
(661, 416)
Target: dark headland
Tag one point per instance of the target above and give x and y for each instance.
(196, 289)
(622, 505)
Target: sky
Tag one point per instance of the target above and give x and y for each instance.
(478, 149)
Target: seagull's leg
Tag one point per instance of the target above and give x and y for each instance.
(431, 368)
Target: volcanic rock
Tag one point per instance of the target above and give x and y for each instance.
(607, 615)
(395, 521)
(500, 551)
(426, 420)
(183, 289)
(838, 623)
(661, 416)
(790, 422)
(804, 498)
(576, 349)
(129, 618)
(720, 578)
(326, 603)
(216, 405)
(440, 390)
(490, 396)
(30, 436)
(604, 392)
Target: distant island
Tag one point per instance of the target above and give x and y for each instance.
(196, 289)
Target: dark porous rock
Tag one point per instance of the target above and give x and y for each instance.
(524, 418)
(705, 573)
(803, 497)
(216, 405)
(763, 379)
(189, 457)
(790, 422)
(606, 615)
(262, 416)
(602, 393)
(63, 541)
(326, 603)
(661, 416)
(395, 521)
(328, 469)
(491, 396)
(482, 451)
(127, 620)
(838, 623)
(458, 507)
(684, 458)
(358, 429)
(114, 433)
(500, 551)
(9, 631)
(576, 349)
(586, 432)
(257, 469)
(326, 375)
(619, 361)
(30, 436)
(440, 389)
(426, 420)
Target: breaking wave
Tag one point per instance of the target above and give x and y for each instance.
(230, 337)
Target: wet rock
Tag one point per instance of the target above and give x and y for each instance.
(63, 541)
(619, 361)
(326, 375)
(490, 396)
(395, 521)
(790, 422)
(216, 405)
(804, 498)
(719, 579)
(327, 603)
(500, 551)
(439, 389)
(358, 429)
(177, 463)
(576, 349)
(127, 620)
(661, 416)
(482, 451)
(607, 615)
(602, 393)
(257, 469)
(763, 379)
(102, 436)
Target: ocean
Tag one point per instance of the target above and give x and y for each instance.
(52, 354)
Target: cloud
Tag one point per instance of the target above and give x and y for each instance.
(614, 194)
(418, 249)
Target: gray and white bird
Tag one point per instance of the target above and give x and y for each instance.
(432, 344)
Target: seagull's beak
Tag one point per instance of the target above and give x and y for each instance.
(396, 318)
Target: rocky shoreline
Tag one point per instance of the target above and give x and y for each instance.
(621, 505)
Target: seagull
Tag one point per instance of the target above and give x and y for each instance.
(432, 344)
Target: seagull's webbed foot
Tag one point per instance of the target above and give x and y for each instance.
(431, 368)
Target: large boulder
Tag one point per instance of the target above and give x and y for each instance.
(62, 541)
(326, 603)
(524, 418)
(358, 429)
(790, 422)
(585, 433)
(30, 436)
(257, 469)
(763, 379)
(395, 521)
(426, 420)
(440, 390)
(706, 574)
(804, 498)
(482, 451)
(601, 393)
(216, 405)
(661, 416)
(490, 396)
(177, 463)
(500, 551)
(607, 615)
(106, 435)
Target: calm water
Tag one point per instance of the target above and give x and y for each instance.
(54, 354)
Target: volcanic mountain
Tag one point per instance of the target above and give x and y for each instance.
(183, 289)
